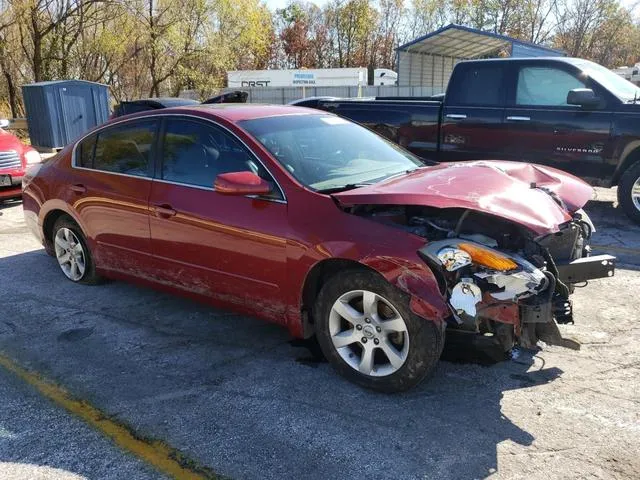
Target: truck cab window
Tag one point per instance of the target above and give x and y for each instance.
(545, 86)
(477, 85)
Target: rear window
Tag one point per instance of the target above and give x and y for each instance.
(84, 152)
(480, 85)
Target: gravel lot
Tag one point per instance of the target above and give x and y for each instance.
(232, 394)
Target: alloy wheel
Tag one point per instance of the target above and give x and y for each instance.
(70, 254)
(369, 333)
(635, 194)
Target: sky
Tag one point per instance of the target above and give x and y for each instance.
(273, 4)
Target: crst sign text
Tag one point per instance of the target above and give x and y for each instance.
(255, 83)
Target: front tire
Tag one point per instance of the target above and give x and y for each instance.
(72, 252)
(369, 335)
(629, 192)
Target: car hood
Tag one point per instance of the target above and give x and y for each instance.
(9, 141)
(520, 192)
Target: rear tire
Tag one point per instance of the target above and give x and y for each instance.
(72, 252)
(369, 335)
(629, 192)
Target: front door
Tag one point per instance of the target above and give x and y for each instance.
(230, 248)
(472, 126)
(542, 128)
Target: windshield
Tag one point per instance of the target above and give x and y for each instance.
(325, 152)
(621, 88)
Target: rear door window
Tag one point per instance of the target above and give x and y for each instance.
(477, 85)
(545, 86)
(126, 149)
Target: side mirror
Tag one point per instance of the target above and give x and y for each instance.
(4, 123)
(583, 97)
(241, 183)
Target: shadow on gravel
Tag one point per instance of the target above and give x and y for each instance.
(228, 392)
(615, 233)
(9, 203)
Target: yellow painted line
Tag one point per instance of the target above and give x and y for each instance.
(156, 453)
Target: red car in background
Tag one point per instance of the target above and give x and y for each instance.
(14, 158)
(313, 222)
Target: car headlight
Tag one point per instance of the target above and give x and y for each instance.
(453, 258)
(32, 157)
(488, 258)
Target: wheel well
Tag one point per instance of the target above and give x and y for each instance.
(47, 226)
(316, 278)
(627, 163)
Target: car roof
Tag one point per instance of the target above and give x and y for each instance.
(237, 112)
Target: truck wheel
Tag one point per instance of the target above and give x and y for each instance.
(369, 335)
(72, 252)
(629, 192)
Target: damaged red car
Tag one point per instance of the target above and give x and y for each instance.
(310, 221)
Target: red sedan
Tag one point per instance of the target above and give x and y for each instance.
(313, 222)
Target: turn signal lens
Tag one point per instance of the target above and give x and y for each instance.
(488, 258)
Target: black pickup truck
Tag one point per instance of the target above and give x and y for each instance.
(568, 113)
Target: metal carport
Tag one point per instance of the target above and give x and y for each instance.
(428, 61)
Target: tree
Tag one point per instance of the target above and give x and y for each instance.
(295, 36)
(596, 29)
(44, 26)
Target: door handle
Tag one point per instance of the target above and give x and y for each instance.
(78, 188)
(456, 116)
(164, 211)
(519, 119)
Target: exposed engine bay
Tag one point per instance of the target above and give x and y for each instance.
(499, 279)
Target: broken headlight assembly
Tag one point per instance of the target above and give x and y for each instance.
(486, 287)
(474, 270)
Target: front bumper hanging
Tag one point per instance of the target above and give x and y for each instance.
(587, 268)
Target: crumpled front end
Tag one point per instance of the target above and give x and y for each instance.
(517, 296)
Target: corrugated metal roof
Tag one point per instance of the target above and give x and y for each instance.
(53, 82)
(464, 42)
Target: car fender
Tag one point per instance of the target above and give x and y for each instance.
(628, 157)
(56, 204)
(415, 278)
(407, 272)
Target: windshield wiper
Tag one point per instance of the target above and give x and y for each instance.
(634, 99)
(342, 188)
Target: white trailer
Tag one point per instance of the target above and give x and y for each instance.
(317, 77)
(384, 76)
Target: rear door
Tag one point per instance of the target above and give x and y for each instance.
(110, 192)
(228, 247)
(542, 128)
(472, 116)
